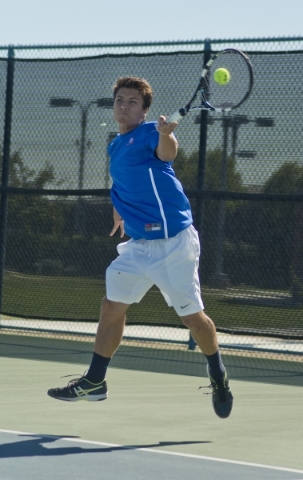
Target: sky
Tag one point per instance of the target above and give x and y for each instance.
(40, 22)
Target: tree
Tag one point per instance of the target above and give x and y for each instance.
(23, 177)
(183, 169)
(40, 229)
(31, 218)
(34, 213)
(285, 223)
(186, 169)
(287, 180)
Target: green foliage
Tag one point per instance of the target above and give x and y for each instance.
(23, 177)
(284, 229)
(186, 169)
(261, 245)
(261, 239)
(213, 173)
(288, 180)
(41, 235)
(32, 213)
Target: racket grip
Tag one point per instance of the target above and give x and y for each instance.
(176, 116)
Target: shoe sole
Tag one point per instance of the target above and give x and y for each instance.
(88, 398)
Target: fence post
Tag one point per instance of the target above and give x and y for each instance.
(201, 168)
(202, 149)
(5, 162)
(191, 342)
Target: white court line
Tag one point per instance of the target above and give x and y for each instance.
(164, 452)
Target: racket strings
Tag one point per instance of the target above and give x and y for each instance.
(234, 92)
(221, 97)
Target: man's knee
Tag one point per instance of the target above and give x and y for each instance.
(193, 319)
(197, 320)
(113, 309)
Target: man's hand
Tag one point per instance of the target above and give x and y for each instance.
(118, 223)
(165, 128)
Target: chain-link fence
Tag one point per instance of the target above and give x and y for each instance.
(243, 173)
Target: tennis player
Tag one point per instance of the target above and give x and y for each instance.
(149, 205)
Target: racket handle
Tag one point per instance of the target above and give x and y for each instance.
(176, 116)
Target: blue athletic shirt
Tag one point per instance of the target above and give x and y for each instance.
(145, 190)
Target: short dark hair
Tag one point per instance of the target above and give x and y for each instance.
(139, 84)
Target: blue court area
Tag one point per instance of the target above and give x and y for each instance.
(47, 457)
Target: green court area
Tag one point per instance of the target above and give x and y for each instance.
(156, 358)
(74, 298)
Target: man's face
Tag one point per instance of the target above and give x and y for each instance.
(128, 109)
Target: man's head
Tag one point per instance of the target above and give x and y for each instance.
(138, 84)
(132, 99)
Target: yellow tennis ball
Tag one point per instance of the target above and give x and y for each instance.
(222, 76)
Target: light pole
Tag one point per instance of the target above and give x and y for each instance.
(103, 102)
(220, 280)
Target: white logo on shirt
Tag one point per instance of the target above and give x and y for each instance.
(131, 141)
(151, 227)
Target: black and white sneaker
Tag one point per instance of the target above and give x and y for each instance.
(80, 389)
(222, 398)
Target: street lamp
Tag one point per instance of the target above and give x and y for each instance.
(103, 102)
(249, 154)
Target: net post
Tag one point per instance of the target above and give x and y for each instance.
(5, 162)
(191, 342)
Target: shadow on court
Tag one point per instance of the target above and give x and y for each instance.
(160, 360)
(112, 462)
(34, 446)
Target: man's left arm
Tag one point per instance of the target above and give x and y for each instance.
(167, 148)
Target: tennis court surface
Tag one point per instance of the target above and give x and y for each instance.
(156, 423)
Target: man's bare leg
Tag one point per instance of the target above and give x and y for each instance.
(203, 331)
(92, 385)
(108, 338)
(110, 328)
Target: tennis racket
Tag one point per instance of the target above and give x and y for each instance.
(216, 97)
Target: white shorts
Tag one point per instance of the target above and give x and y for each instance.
(170, 264)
